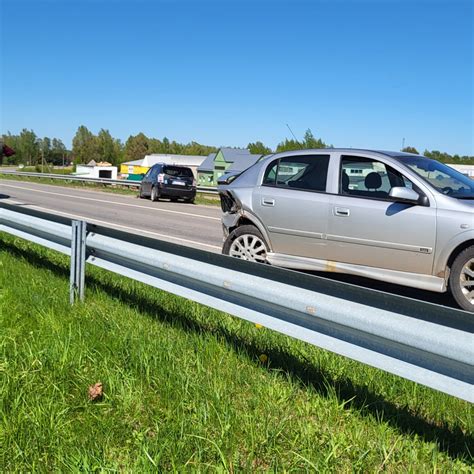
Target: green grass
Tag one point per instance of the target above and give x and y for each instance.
(201, 198)
(185, 389)
(47, 169)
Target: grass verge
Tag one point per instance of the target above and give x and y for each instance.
(185, 388)
(201, 198)
(47, 169)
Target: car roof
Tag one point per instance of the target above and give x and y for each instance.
(169, 166)
(397, 154)
(392, 154)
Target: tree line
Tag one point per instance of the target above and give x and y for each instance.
(86, 146)
(32, 150)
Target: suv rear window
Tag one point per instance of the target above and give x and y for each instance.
(177, 171)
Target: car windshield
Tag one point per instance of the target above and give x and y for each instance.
(442, 177)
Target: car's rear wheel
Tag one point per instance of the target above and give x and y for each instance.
(461, 279)
(154, 194)
(247, 243)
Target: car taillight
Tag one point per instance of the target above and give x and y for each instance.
(161, 178)
(194, 182)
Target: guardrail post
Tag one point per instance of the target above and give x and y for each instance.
(78, 261)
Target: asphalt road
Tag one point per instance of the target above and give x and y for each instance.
(193, 225)
(187, 224)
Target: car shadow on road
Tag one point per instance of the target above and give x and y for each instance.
(4, 196)
(450, 439)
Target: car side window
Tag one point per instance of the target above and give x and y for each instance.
(147, 174)
(365, 177)
(154, 172)
(307, 173)
(269, 179)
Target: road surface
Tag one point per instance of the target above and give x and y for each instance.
(187, 224)
(193, 225)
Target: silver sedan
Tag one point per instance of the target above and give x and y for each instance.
(392, 216)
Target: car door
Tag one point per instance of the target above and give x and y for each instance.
(146, 183)
(293, 205)
(366, 227)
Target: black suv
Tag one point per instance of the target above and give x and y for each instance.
(173, 182)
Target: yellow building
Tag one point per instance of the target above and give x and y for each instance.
(134, 170)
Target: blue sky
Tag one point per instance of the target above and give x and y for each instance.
(358, 73)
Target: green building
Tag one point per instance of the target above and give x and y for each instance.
(224, 161)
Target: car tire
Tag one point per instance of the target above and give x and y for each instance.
(247, 243)
(190, 200)
(174, 199)
(140, 195)
(155, 195)
(462, 273)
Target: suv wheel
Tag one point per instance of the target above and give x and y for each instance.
(461, 279)
(247, 243)
(154, 194)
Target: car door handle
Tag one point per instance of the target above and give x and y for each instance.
(268, 202)
(342, 212)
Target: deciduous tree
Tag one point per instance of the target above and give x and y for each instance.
(109, 148)
(85, 146)
(410, 149)
(136, 147)
(258, 148)
(28, 146)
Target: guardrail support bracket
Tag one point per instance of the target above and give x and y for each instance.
(78, 261)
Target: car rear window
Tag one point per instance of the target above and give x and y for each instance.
(306, 173)
(177, 171)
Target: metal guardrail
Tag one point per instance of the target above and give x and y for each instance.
(107, 181)
(419, 341)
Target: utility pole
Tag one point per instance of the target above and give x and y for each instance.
(42, 160)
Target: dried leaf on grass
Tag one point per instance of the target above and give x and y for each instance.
(96, 392)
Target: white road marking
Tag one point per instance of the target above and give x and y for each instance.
(189, 214)
(89, 219)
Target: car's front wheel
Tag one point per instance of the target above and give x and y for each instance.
(461, 279)
(247, 243)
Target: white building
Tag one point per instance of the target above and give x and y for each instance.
(96, 170)
(464, 169)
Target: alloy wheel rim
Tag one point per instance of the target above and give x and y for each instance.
(466, 281)
(249, 247)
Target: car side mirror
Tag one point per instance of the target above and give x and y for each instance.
(402, 194)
